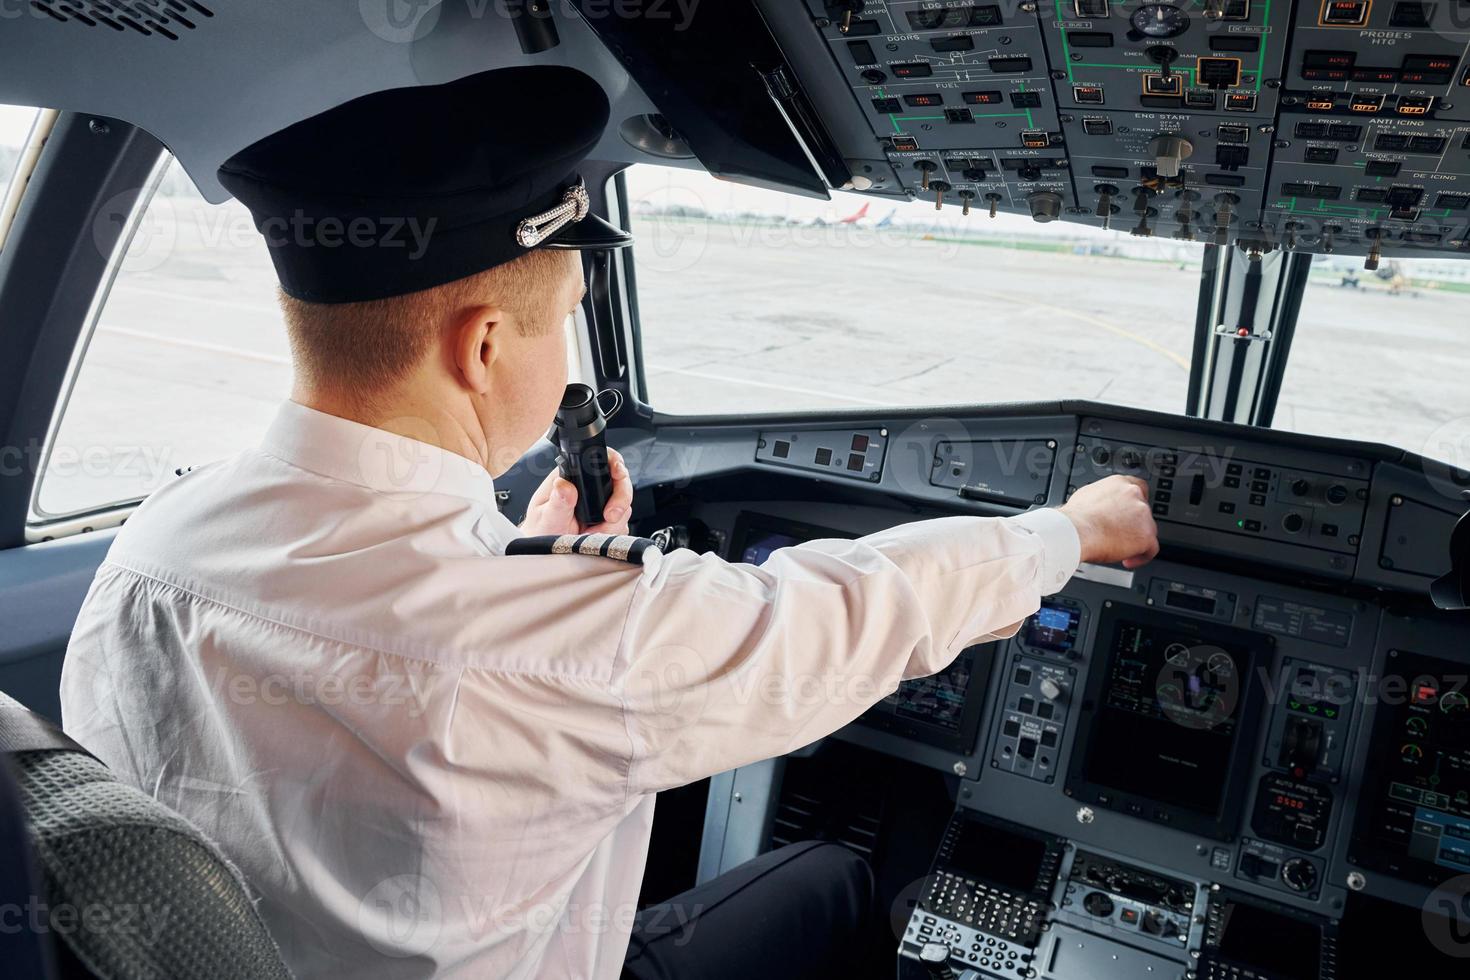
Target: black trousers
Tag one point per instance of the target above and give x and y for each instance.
(798, 912)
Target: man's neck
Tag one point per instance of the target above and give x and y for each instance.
(455, 429)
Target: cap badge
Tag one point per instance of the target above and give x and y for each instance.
(537, 228)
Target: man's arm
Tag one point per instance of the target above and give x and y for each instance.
(722, 664)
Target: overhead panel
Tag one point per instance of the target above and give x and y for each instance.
(1374, 141)
(1321, 125)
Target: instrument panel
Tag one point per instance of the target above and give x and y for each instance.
(1264, 721)
(1319, 125)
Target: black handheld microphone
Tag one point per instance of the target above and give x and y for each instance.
(583, 447)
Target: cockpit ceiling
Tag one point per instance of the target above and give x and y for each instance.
(208, 77)
(1316, 125)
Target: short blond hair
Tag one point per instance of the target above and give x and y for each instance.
(365, 347)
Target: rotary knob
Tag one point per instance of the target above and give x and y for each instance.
(1169, 151)
(1299, 874)
(1045, 206)
(1050, 689)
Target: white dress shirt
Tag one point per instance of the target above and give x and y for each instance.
(432, 759)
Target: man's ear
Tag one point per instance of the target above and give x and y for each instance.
(476, 341)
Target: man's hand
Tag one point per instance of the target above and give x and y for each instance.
(1114, 521)
(553, 506)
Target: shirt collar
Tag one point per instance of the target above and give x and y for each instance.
(383, 461)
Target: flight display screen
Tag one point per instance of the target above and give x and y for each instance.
(1054, 627)
(936, 710)
(1268, 945)
(1167, 708)
(1415, 823)
(979, 849)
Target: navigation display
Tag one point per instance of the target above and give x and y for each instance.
(1161, 739)
(937, 710)
(1415, 819)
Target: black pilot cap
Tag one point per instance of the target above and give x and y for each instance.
(411, 188)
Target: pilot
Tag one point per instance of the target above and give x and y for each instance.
(432, 745)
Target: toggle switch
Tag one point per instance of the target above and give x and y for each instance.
(1329, 236)
(938, 187)
(993, 199)
(1105, 208)
(925, 168)
(847, 9)
(1184, 216)
(966, 196)
(1163, 56)
(1224, 214)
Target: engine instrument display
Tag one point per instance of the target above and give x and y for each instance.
(1162, 728)
(1414, 822)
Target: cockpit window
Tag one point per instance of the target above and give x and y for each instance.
(15, 128)
(1382, 356)
(185, 364)
(753, 301)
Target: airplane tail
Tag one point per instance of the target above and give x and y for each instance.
(853, 219)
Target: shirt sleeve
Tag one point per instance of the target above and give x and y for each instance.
(720, 664)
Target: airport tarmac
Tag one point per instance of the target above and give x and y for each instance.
(190, 360)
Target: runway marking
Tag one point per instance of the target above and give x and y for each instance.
(158, 338)
(1105, 325)
(707, 376)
